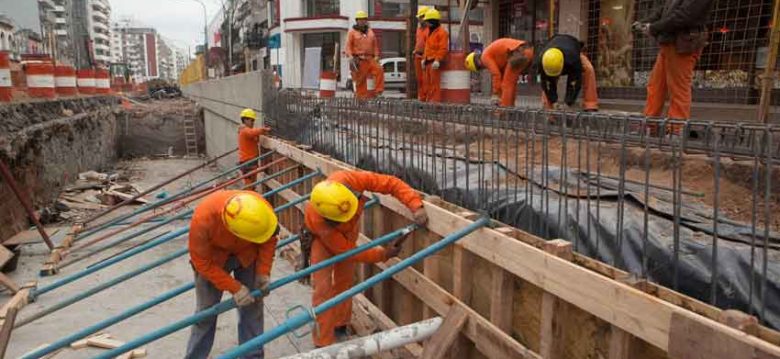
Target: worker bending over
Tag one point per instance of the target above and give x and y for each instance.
(332, 218)
(249, 143)
(680, 29)
(363, 51)
(506, 59)
(419, 48)
(562, 55)
(231, 231)
(437, 45)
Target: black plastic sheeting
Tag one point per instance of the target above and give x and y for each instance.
(551, 214)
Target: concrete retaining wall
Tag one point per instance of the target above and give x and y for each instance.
(222, 100)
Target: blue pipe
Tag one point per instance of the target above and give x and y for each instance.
(100, 287)
(287, 241)
(229, 303)
(163, 201)
(144, 247)
(296, 181)
(301, 319)
(64, 342)
(294, 202)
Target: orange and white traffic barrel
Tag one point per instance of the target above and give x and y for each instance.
(371, 86)
(328, 84)
(40, 79)
(102, 81)
(455, 79)
(6, 84)
(86, 81)
(65, 80)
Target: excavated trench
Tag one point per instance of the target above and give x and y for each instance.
(48, 143)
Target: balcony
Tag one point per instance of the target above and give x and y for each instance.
(61, 32)
(46, 4)
(61, 20)
(317, 23)
(99, 16)
(59, 8)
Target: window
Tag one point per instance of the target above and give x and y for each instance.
(392, 43)
(388, 9)
(389, 66)
(321, 7)
(327, 41)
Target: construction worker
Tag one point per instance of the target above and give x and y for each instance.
(363, 51)
(248, 143)
(332, 217)
(679, 28)
(506, 59)
(437, 46)
(419, 48)
(562, 55)
(231, 231)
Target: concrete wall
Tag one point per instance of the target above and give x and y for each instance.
(222, 100)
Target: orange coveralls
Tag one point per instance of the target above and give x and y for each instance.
(332, 238)
(365, 47)
(248, 148)
(419, 49)
(437, 47)
(496, 59)
(672, 74)
(211, 244)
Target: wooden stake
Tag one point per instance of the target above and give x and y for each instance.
(441, 341)
(551, 330)
(502, 291)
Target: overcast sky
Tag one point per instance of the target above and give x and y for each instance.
(177, 20)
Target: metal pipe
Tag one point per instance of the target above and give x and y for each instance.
(158, 186)
(100, 287)
(9, 178)
(376, 343)
(87, 231)
(301, 319)
(166, 238)
(228, 304)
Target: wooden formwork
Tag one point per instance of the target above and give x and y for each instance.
(523, 296)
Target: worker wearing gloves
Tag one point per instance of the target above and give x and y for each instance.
(248, 143)
(437, 46)
(231, 231)
(562, 55)
(363, 50)
(679, 28)
(506, 59)
(419, 48)
(332, 216)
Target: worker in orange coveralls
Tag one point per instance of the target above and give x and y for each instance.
(419, 48)
(563, 55)
(363, 50)
(248, 143)
(506, 59)
(332, 217)
(680, 29)
(437, 46)
(231, 231)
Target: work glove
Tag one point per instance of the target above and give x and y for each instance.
(243, 297)
(642, 27)
(495, 100)
(420, 217)
(262, 282)
(436, 65)
(392, 251)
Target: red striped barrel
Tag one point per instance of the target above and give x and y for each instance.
(86, 81)
(455, 79)
(65, 80)
(102, 81)
(327, 84)
(40, 79)
(6, 84)
(371, 86)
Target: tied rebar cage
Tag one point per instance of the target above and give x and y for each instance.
(690, 212)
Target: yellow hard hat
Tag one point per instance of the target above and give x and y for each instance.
(249, 217)
(470, 62)
(422, 10)
(334, 201)
(432, 14)
(552, 62)
(249, 113)
(361, 15)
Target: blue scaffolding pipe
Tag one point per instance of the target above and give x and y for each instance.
(100, 287)
(182, 215)
(64, 342)
(163, 201)
(228, 304)
(306, 317)
(144, 247)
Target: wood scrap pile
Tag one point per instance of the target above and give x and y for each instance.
(98, 340)
(95, 191)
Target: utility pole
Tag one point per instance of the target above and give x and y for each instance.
(411, 74)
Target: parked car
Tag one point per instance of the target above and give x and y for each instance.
(395, 73)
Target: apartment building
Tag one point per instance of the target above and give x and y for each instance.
(146, 54)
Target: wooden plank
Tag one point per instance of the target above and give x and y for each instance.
(431, 267)
(18, 301)
(5, 331)
(619, 344)
(632, 310)
(83, 343)
(502, 289)
(551, 328)
(104, 342)
(461, 289)
(438, 345)
(381, 321)
(5, 255)
(9, 283)
(50, 267)
(30, 236)
(690, 338)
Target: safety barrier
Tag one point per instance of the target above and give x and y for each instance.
(327, 84)
(6, 84)
(86, 81)
(102, 81)
(65, 80)
(40, 79)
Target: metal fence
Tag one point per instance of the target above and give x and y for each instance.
(692, 212)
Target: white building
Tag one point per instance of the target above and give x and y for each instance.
(325, 23)
(98, 16)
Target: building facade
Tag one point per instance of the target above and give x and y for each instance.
(145, 53)
(90, 32)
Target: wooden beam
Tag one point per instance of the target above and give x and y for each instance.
(51, 266)
(5, 331)
(438, 345)
(365, 309)
(9, 283)
(619, 344)
(502, 290)
(551, 328)
(461, 289)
